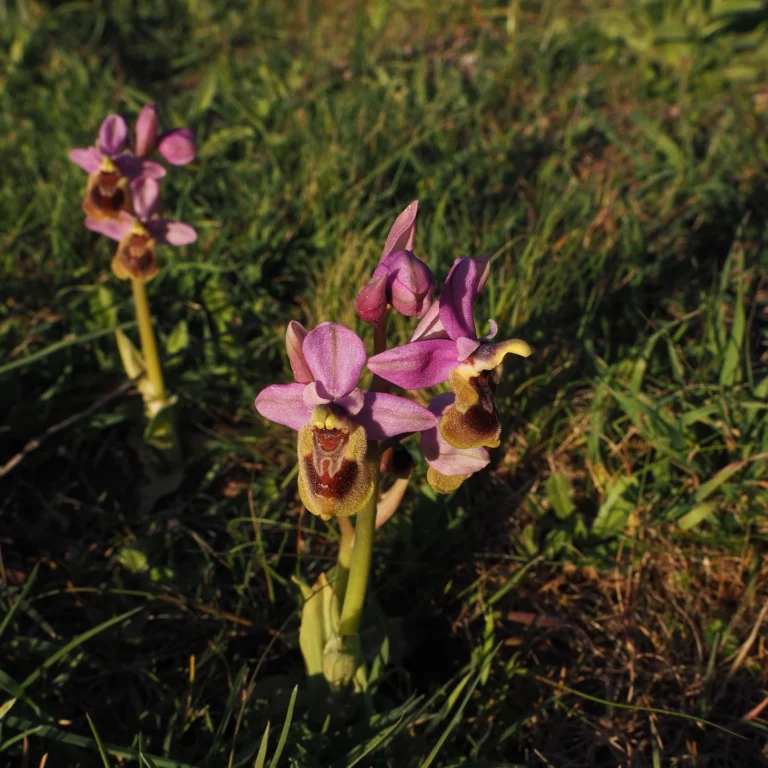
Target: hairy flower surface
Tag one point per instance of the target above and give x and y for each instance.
(445, 347)
(110, 170)
(400, 279)
(138, 236)
(334, 418)
(449, 466)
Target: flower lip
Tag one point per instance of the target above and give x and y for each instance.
(443, 457)
(106, 193)
(334, 478)
(136, 255)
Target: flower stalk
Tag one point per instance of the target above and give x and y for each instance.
(344, 559)
(360, 567)
(148, 341)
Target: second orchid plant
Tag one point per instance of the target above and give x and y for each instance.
(122, 201)
(347, 438)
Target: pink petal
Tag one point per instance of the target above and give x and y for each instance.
(146, 130)
(430, 326)
(403, 232)
(171, 232)
(351, 403)
(457, 299)
(114, 229)
(178, 146)
(335, 356)
(87, 159)
(112, 134)
(465, 347)
(283, 404)
(493, 329)
(386, 415)
(151, 170)
(145, 194)
(294, 339)
(312, 396)
(136, 167)
(441, 455)
(418, 364)
(371, 302)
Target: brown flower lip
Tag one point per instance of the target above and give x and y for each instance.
(136, 256)
(473, 420)
(106, 194)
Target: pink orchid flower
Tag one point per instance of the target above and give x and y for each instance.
(400, 279)
(177, 146)
(110, 170)
(445, 347)
(139, 235)
(334, 418)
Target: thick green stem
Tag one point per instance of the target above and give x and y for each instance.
(147, 335)
(360, 566)
(344, 560)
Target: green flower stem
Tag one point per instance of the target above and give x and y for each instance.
(354, 584)
(147, 335)
(344, 560)
(360, 566)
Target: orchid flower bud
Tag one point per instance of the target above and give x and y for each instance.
(400, 279)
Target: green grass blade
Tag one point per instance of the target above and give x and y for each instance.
(6, 708)
(284, 733)
(229, 709)
(20, 599)
(261, 758)
(97, 739)
(79, 640)
(377, 741)
(454, 720)
(705, 490)
(58, 346)
(28, 727)
(147, 761)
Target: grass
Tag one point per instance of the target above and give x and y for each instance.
(597, 599)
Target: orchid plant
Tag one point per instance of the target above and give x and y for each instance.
(347, 437)
(121, 201)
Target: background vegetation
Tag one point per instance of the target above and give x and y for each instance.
(598, 598)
